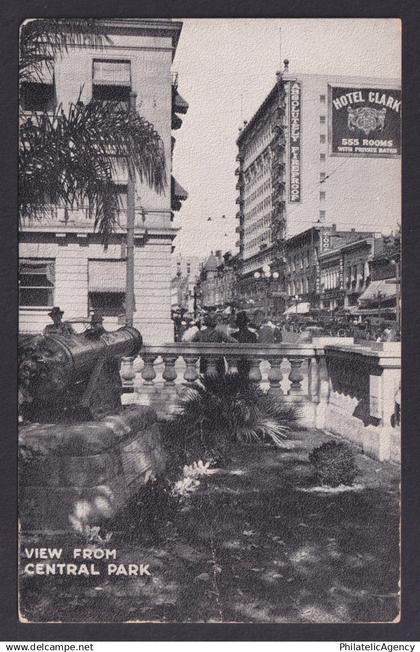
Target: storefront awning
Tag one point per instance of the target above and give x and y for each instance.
(378, 291)
(107, 276)
(300, 309)
(180, 105)
(177, 190)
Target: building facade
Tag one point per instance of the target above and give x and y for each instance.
(186, 271)
(319, 150)
(217, 285)
(62, 260)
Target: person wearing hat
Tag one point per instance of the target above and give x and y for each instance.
(211, 335)
(58, 327)
(96, 327)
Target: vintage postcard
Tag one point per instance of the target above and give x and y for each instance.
(209, 320)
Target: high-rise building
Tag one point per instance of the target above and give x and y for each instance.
(319, 150)
(62, 259)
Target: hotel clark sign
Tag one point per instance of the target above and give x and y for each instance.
(365, 122)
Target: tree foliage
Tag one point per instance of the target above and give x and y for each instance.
(67, 157)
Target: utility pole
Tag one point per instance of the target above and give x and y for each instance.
(131, 209)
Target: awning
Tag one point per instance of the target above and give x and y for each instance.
(378, 291)
(112, 73)
(177, 190)
(107, 276)
(180, 105)
(301, 309)
(37, 268)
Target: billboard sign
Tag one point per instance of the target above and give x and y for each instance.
(365, 122)
(295, 148)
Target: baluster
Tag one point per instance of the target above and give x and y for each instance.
(232, 361)
(169, 373)
(313, 380)
(295, 376)
(254, 371)
(275, 376)
(127, 374)
(191, 373)
(324, 392)
(148, 372)
(211, 366)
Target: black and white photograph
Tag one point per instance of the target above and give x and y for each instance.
(209, 347)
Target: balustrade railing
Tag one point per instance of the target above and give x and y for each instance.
(346, 388)
(299, 356)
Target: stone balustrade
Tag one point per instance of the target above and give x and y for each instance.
(338, 386)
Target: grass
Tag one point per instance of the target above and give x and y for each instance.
(258, 542)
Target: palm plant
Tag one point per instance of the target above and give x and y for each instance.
(222, 409)
(67, 157)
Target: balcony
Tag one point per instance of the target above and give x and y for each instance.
(336, 385)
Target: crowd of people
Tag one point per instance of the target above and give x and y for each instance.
(213, 326)
(220, 327)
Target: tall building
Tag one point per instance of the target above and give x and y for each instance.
(319, 150)
(62, 260)
(185, 272)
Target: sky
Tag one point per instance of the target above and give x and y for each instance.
(226, 68)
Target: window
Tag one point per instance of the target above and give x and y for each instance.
(36, 282)
(322, 176)
(109, 304)
(322, 157)
(322, 99)
(322, 215)
(322, 119)
(107, 280)
(111, 82)
(39, 94)
(322, 139)
(322, 195)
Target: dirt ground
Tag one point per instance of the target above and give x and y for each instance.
(258, 542)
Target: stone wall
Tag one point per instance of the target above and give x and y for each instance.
(78, 474)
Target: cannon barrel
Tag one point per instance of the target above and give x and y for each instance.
(64, 361)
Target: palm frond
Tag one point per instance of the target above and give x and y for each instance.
(67, 159)
(42, 39)
(230, 408)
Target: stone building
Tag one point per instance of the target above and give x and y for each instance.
(62, 260)
(186, 271)
(217, 285)
(308, 157)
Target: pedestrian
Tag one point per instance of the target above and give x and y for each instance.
(210, 334)
(190, 331)
(96, 327)
(266, 332)
(58, 327)
(244, 336)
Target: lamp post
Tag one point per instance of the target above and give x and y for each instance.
(266, 275)
(379, 296)
(396, 262)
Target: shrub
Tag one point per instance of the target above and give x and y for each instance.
(220, 410)
(334, 464)
(148, 512)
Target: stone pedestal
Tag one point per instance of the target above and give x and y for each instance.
(80, 474)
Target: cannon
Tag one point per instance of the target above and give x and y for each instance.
(70, 376)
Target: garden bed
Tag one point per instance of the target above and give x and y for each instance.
(256, 541)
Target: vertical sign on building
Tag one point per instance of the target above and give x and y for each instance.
(295, 148)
